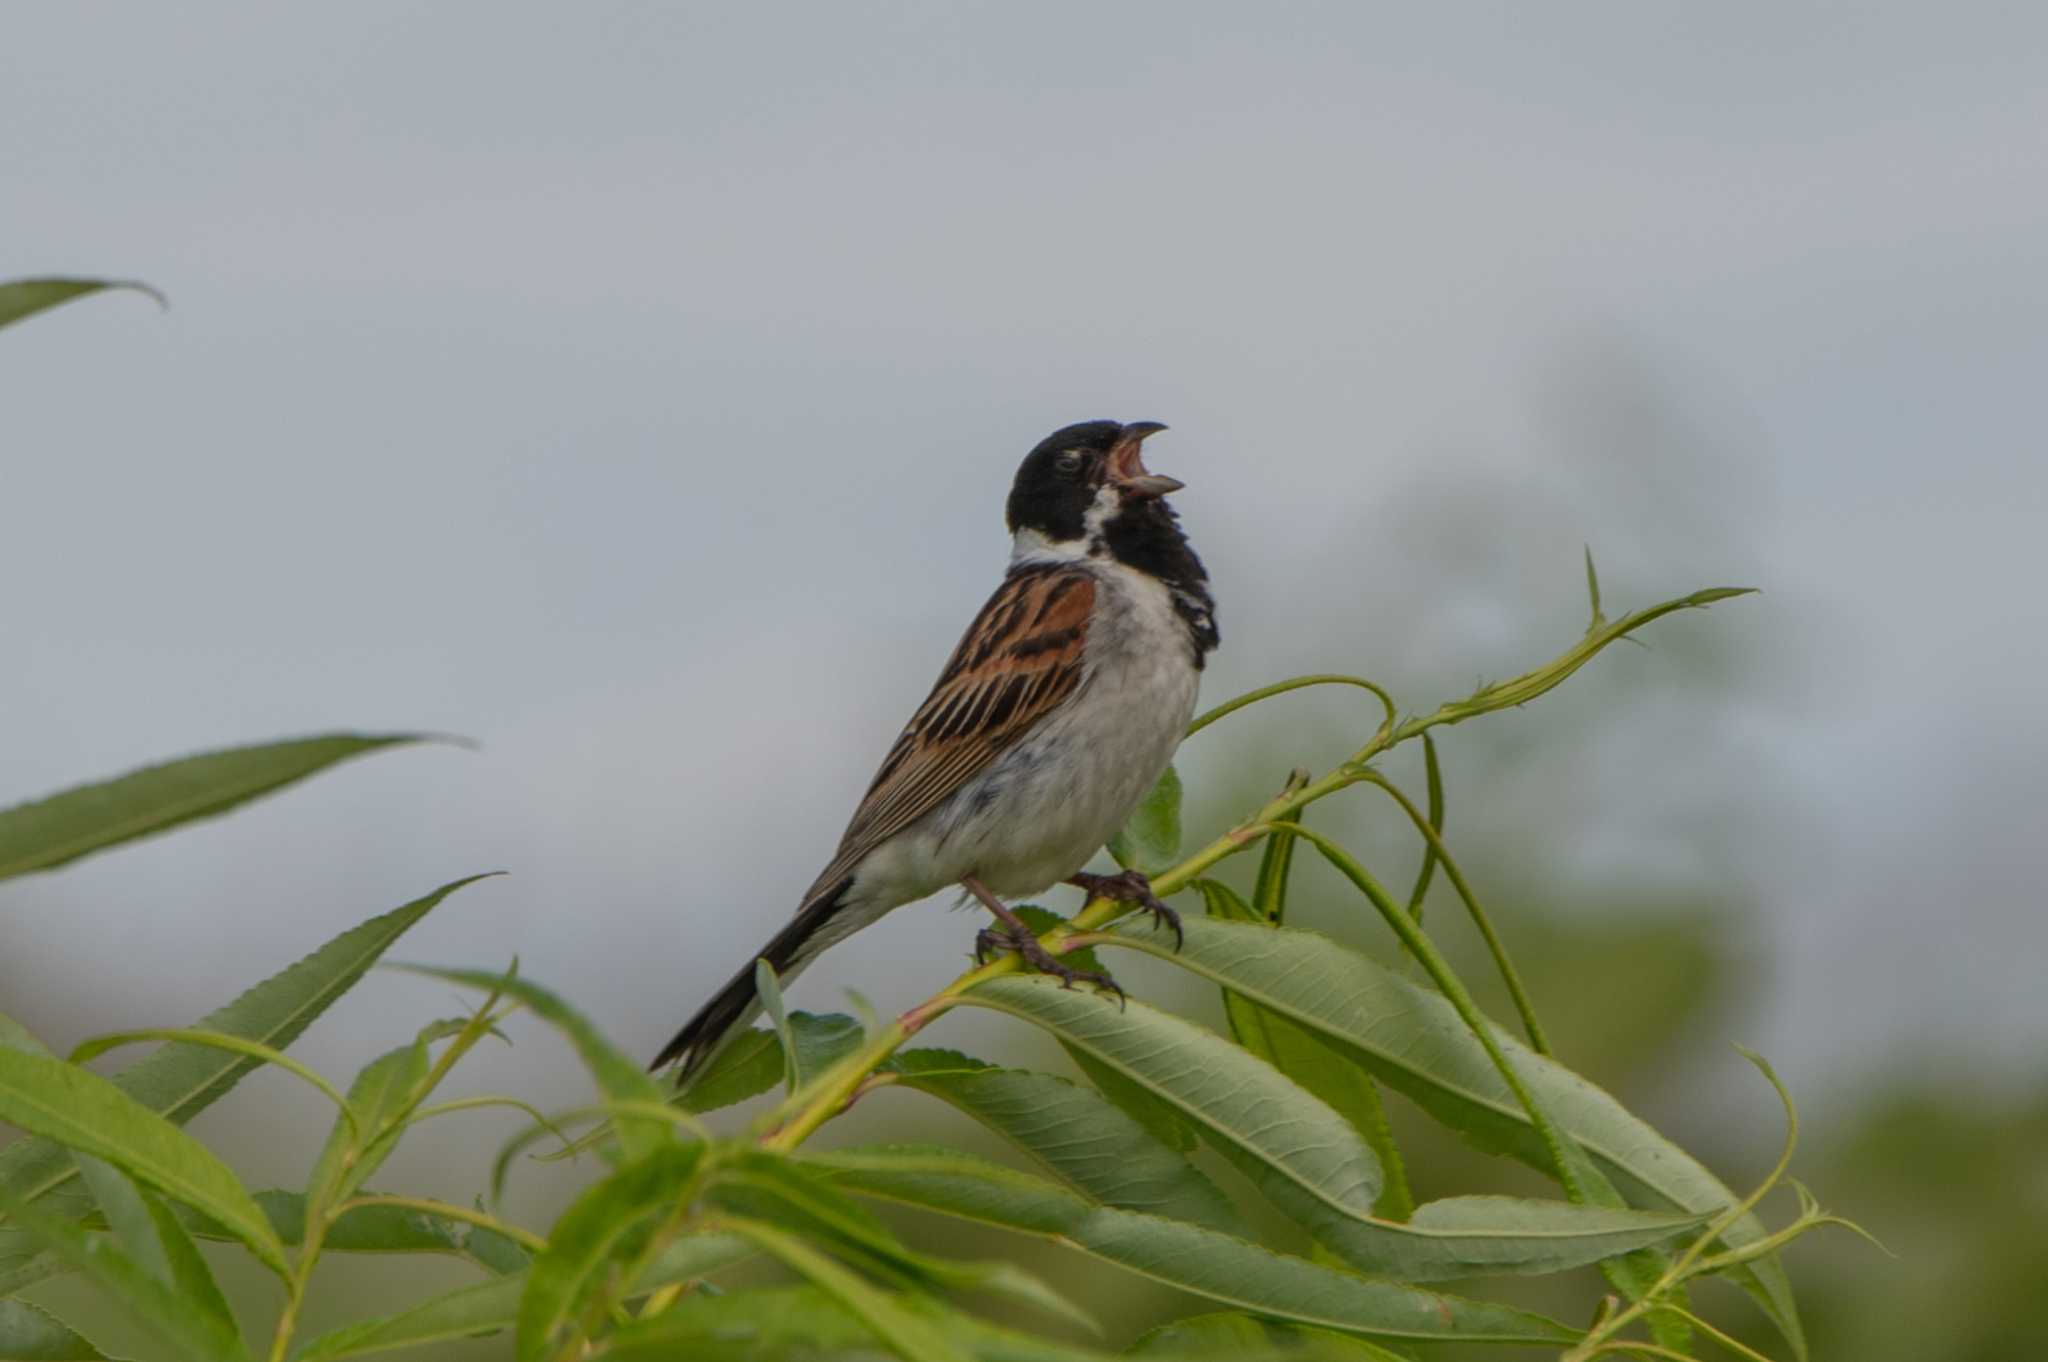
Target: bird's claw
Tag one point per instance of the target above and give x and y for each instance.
(993, 940)
(1135, 888)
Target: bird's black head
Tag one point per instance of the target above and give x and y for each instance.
(1080, 477)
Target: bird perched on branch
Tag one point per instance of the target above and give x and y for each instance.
(1059, 709)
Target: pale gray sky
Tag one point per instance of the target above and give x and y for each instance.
(634, 388)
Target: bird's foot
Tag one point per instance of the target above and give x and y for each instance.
(1133, 887)
(994, 940)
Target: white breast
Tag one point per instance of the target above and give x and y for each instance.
(1047, 804)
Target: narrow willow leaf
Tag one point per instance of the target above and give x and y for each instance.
(753, 1063)
(492, 1251)
(617, 1076)
(1150, 840)
(1435, 777)
(606, 1228)
(1303, 1156)
(494, 1304)
(1233, 1336)
(769, 1323)
(150, 1233)
(1160, 1119)
(21, 298)
(86, 1113)
(1231, 1271)
(360, 1229)
(1300, 1055)
(1076, 1133)
(782, 1192)
(354, 1151)
(29, 1333)
(91, 818)
(177, 1322)
(905, 1331)
(1276, 869)
(1410, 1039)
(768, 989)
(15, 1036)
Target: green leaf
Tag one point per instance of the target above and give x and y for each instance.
(1150, 840)
(1232, 1271)
(778, 1191)
(92, 818)
(768, 989)
(753, 1063)
(768, 1323)
(86, 1113)
(905, 1331)
(1303, 1057)
(150, 1233)
(176, 1321)
(1076, 1133)
(26, 297)
(29, 1333)
(1235, 1336)
(179, 1081)
(15, 1036)
(494, 1304)
(1276, 868)
(617, 1076)
(355, 1151)
(379, 1229)
(1412, 1040)
(605, 1229)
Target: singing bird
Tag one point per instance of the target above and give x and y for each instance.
(1057, 712)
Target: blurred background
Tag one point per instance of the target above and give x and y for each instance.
(634, 389)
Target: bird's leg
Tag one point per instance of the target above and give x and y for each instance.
(1130, 886)
(1014, 935)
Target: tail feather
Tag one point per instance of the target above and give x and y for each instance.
(734, 1006)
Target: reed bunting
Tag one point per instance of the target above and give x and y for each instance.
(1059, 709)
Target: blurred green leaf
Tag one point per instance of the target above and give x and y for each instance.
(84, 1112)
(21, 298)
(91, 818)
(29, 1333)
(907, 1333)
(179, 1081)
(15, 1036)
(1076, 1133)
(1222, 1268)
(1150, 840)
(1235, 1336)
(150, 1233)
(1414, 1042)
(605, 1229)
(181, 1324)
(494, 1304)
(353, 1152)
(617, 1076)
(768, 1323)
(753, 1063)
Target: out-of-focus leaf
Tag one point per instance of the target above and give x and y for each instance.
(91, 818)
(1234, 1336)
(181, 1080)
(1150, 840)
(21, 298)
(617, 1076)
(753, 1063)
(1231, 1271)
(781, 1192)
(769, 1323)
(181, 1324)
(494, 1304)
(378, 1093)
(492, 1251)
(15, 1036)
(906, 1332)
(84, 1112)
(1414, 1042)
(144, 1226)
(1077, 1134)
(29, 1333)
(604, 1230)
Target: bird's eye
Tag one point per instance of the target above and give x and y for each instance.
(1069, 462)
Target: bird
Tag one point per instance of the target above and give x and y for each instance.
(1062, 705)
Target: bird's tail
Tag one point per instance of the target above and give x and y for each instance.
(737, 1004)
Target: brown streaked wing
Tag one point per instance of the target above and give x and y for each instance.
(1020, 657)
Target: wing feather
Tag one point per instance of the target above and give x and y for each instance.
(1021, 657)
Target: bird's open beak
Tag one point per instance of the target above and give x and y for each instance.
(1127, 469)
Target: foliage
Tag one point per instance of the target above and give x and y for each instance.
(107, 1183)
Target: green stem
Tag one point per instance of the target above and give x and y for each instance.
(1509, 975)
(1252, 697)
